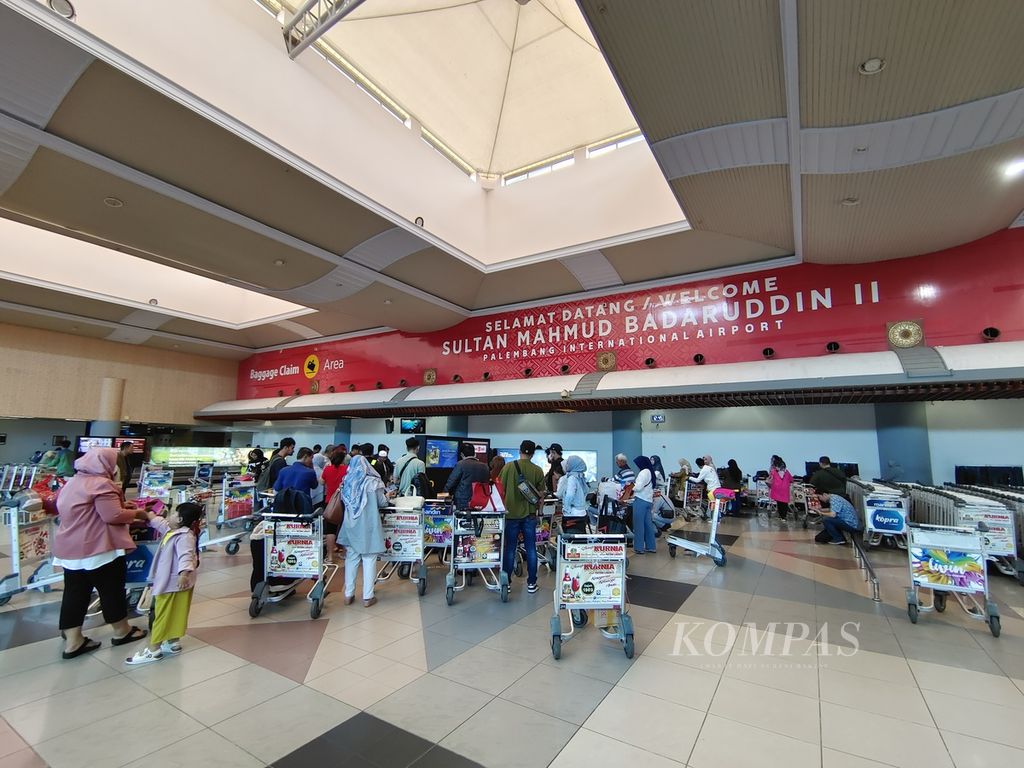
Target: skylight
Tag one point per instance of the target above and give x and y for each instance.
(45, 259)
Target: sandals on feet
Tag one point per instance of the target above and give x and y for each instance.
(133, 636)
(87, 646)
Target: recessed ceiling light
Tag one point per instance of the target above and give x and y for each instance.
(387, 301)
(153, 302)
(113, 202)
(860, 149)
(176, 346)
(1014, 169)
(63, 7)
(872, 66)
(278, 262)
(849, 202)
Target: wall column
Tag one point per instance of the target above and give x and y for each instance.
(904, 454)
(627, 434)
(108, 416)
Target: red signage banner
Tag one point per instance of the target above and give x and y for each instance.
(794, 310)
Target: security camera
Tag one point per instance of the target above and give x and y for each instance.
(566, 394)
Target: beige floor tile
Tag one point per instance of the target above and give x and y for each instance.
(208, 610)
(673, 682)
(882, 738)
(699, 631)
(25, 758)
(994, 689)
(785, 641)
(830, 758)
(650, 618)
(450, 705)
(223, 588)
(969, 752)
(204, 748)
(176, 672)
(900, 702)
(363, 693)
(588, 749)
(229, 694)
(705, 656)
(67, 711)
(157, 723)
(768, 709)
(521, 641)
(669, 730)
(558, 692)
(795, 674)
(991, 722)
(485, 669)
(726, 744)
(41, 682)
(113, 656)
(721, 596)
(31, 656)
(506, 735)
(877, 666)
(277, 727)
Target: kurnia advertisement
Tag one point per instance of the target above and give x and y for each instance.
(796, 310)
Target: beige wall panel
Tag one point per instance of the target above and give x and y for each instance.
(938, 53)
(61, 190)
(527, 283)
(55, 375)
(911, 210)
(440, 274)
(683, 253)
(752, 203)
(688, 65)
(115, 115)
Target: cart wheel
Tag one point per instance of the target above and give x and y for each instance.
(449, 595)
(994, 625)
(421, 586)
(232, 547)
(672, 550)
(720, 560)
(556, 647)
(940, 601)
(316, 608)
(255, 607)
(404, 570)
(579, 618)
(503, 586)
(519, 565)
(912, 612)
(219, 526)
(628, 646)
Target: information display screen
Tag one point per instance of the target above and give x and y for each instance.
(481, 447)
(413, 426)
(541, 460)
(87, 443)
(187, 456)
(138, 443)
(442, 453)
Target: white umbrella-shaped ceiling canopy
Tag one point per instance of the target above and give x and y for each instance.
(504, 85)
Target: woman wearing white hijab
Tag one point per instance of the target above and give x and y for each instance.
(361, 532)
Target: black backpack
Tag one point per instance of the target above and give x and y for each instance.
(292, 502)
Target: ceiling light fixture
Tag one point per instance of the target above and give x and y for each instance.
(153, 302)
(927, 291)
(850, 202)
(1014, 169)
(62, 7)
(113, 202)
(279, 262)
(872, 66)
(387, 301)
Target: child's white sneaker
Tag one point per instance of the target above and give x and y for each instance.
(172, 648)
(145, 656)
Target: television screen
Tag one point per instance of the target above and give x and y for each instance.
(442, 453)
(512, 454)
(85, 443)
(414, 426)
(589, 458)
(976, 475)
(138, 443)
(481, 447)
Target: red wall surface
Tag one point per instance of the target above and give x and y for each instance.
(795, 310)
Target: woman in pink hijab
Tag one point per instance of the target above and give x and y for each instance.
(90, 544)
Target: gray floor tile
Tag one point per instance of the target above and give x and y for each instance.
(558, 692)
(506, 735)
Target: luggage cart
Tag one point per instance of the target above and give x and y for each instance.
(547, 551)
(950, 560)
(885, 509)
(293, 548)
(31, 540)
(696, 500)
(711, 547)
(478, 542)
(403, 547)
(590, 574)
(437, 529)
(1013, 498)
(804, 504)
(237, 502)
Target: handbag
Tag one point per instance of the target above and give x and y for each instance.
(334, 512)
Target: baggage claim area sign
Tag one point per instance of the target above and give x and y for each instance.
(796, 310)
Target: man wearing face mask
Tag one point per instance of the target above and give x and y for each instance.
(555, 470)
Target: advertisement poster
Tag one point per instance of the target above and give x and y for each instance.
(189, 456)
(796, 308)
(437, 530)
(478, 550)
(960, 571)
(292, 557)
(34, 541)
(157, 484)
(543, 530)
(885, 515)
(588, 551)
(1000, 539)
(238, 501)
(403, 541)
(442, 453)
(596, 583)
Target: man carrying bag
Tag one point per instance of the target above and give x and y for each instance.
(521, 479)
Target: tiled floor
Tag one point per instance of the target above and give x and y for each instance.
(777, 659)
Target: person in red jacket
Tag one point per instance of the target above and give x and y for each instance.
(90, 545)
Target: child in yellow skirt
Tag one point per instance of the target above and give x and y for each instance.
(173, 575)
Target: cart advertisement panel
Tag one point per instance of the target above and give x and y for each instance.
(403, 537)
(999, 539)
(238, 501)
(588, 551)
(886, 515)
(34, 540)
(948, 569)
(294, 557)
(156, 483)
(484, 550)
(437, 530)
(592, 583)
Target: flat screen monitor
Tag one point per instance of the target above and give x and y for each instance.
(87, 443)
(975, 475)
(138, 443)
(512, 454)
(589, 458)
(414, 426)
(441, 453)
(481, 448)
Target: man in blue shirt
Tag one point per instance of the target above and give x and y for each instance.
(301, 476)
(838, 517)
